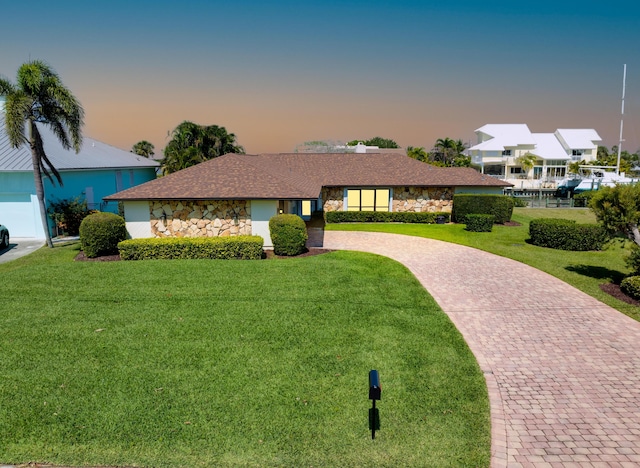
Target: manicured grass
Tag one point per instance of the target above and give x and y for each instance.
(232, 363)
(584, 270)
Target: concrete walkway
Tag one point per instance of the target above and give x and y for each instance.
(562, 369)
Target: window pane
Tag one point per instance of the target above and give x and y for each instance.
(306, 207)
(353, 200)
(367, 200)
(382, 199)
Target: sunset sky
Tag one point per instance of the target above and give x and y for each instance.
(279, 73)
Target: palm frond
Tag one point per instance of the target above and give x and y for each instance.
(17, 109)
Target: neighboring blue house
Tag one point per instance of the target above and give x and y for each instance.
(96, 171)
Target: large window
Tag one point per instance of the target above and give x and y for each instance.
(368, 200)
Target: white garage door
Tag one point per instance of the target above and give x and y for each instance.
(20, 213)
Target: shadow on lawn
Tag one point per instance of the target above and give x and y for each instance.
(597, 272)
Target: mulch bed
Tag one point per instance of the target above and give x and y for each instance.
(615, 291)
(512, 223)
(81, 257)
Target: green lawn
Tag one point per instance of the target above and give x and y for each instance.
(232, 363)
(584, 270)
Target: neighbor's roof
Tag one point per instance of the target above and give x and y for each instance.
(504, 136)
(548, 147)
(579, 138)
(298, 176)
(93, 154)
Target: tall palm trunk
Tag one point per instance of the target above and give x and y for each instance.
(37, 178)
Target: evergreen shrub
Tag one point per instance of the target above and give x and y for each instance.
(633, 260)
(68, 214)
(479, 222)
(631, 286)
(288, 234)
(500, 206)
(100, 233)
(385, 217)
(566, 234)
(581, 200)
(213, 248)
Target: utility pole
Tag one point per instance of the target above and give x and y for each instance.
(624, 80)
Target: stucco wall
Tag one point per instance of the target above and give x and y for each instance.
(211, 218)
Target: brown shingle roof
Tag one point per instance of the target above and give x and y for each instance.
(299, 176)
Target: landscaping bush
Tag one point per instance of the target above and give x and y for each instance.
(519, 202)
(100, 233)
(215, 248)
(631, 286)
(565, 234)
(500, 206)
(288, 234)
(480, 222)
(633, 260)
(581, 200)
(68, 214)
(385, 217)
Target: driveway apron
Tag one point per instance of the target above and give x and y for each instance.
(562, 369)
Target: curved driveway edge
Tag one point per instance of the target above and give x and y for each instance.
(562, 369)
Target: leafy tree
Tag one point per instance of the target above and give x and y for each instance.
(192, 144)
(618, 209)
(143, 148)
(610, 158)
(418, 153)
(40, 97)
(376, 141)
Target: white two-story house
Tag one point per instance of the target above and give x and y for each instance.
(500, 146)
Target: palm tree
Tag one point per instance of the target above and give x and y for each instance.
(39, 97)
(417, 152)
(527, 162)
(143, 148)
(192, 144)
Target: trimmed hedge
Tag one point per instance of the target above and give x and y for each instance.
(479, 222)
(631, 286)
(385, 217)
(288, 234)
(566, 234)
(500, 206)
(100, 233)
(213, 248)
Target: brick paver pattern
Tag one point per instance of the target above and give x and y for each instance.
(562, 369)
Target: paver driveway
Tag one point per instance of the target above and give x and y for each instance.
(562, 369)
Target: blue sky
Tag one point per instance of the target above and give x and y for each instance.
(283, 72)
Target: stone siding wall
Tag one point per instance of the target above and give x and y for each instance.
(211, 218)
(430, 199)
(332, 198)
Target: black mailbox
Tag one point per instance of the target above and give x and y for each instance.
(375, 390)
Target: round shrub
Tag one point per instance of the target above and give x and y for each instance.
(100, 233)
(631, 286)
(288, 234)
(479, 222)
